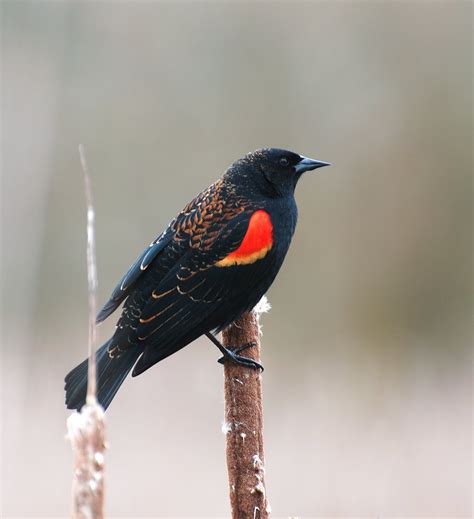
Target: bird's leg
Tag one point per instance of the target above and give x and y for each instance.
(233, 355)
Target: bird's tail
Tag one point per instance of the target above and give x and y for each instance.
(111, 372)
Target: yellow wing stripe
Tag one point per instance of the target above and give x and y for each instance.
(244, 260)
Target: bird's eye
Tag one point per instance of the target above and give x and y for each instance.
(284, 161)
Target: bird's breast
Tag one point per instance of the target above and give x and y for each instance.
(257, 242)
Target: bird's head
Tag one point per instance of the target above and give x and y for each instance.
(274, 170)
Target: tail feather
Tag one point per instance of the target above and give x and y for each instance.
(111, 372)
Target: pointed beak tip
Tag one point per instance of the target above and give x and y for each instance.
(307, 164)
(323, 164)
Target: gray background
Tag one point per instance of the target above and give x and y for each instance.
(367, 348)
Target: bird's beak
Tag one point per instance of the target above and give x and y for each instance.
(307, 164)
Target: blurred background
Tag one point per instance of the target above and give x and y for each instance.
(367, 349)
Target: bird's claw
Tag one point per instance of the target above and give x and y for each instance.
(233, 355)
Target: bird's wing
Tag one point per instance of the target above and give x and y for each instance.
(195, 226)
(122, 290)
(206, 286)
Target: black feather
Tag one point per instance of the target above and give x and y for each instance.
(122, 290)
(111, 372)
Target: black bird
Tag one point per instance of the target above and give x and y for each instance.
(213, 262)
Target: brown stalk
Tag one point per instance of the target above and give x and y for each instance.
(244, 423)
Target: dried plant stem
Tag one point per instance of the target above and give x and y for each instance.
(91, 279)
(244, 424)
(86, 429)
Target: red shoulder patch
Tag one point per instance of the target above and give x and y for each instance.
(258, 240)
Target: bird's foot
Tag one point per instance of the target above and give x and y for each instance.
(233, 355)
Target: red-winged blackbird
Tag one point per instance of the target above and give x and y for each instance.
(213, 262)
